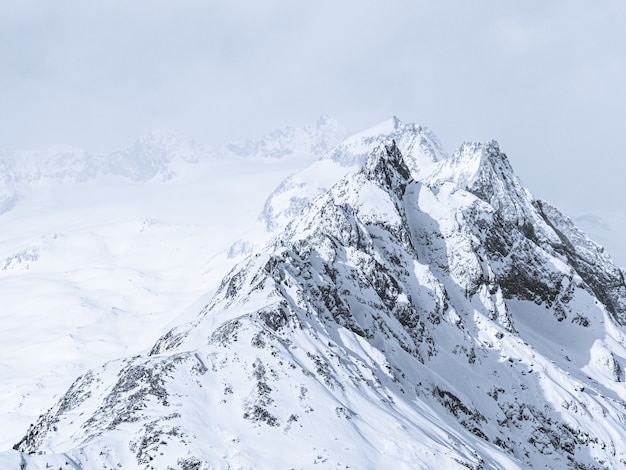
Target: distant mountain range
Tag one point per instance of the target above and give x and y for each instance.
(161, 153)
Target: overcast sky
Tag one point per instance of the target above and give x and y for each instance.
(546, 79)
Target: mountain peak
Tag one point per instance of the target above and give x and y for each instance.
(483, 170)
(386, 165)
(420, 148)
(418, 144)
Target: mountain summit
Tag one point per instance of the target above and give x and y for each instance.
(408, 317)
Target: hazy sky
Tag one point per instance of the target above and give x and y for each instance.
(546, 79)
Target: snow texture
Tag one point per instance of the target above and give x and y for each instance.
(423, 312)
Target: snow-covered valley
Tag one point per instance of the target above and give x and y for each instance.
(421, 310)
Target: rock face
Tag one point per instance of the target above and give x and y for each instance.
(407, 318)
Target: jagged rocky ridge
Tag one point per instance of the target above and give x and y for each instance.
(440, 320)
(297, 192)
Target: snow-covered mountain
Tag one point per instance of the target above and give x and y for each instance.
(424, 312)
(317, 139)
(161, 153)
(298, 191)
(100, 252)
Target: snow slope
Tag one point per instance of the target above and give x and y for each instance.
(99, 253)
(406, 318)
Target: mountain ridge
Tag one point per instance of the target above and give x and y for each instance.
(94, 270)
(368, 317)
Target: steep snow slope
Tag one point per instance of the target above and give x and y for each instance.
(100, 252)
(446, 322)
